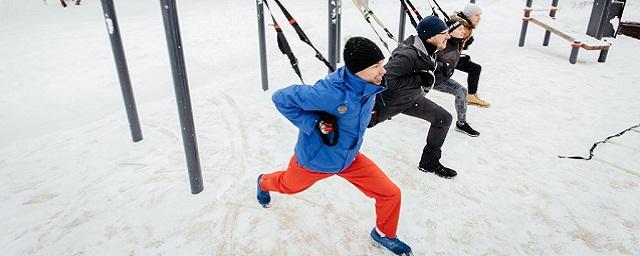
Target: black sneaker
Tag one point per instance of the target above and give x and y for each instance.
(439, 170)
(466, 129)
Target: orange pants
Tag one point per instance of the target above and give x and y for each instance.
(362, 173)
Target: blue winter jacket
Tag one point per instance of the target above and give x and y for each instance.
(342, 94)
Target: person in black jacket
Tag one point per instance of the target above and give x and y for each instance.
(450, 57)
(411, 72)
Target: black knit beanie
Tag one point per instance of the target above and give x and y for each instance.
(430, 26)
(360, 53)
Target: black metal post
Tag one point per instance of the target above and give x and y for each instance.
(603, 55)
(123, 71)
(338, 30)
(598, 19)
(575, 48)
(403, 21)
(617, 9)
(174, 43)
(525, 22)
(333, 27)
(552, 14)
(263, 46)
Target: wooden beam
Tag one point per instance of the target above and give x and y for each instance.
(553, 26)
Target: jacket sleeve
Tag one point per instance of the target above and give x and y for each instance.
(443, 71)
(298, 103)
(467, 43)
(400, 72)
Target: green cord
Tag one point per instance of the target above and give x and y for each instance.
(623, 145)
(636, 173)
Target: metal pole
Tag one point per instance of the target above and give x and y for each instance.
(123, 71)
(403, 21)
(525, 23)
(333, 12)
(623, 3)
(338, 30)
(552, 14)
(603, 55)
(263, 46)
(473, 1)
(174, 43)
(605, 20)
(598, 18)
(575, 47)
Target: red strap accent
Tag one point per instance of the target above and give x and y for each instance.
(292, 21)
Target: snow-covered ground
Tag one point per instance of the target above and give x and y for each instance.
(73, 183)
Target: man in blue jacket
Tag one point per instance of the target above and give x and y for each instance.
(332, 116)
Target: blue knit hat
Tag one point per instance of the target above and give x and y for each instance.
(430, 26)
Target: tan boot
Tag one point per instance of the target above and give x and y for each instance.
(473, 99)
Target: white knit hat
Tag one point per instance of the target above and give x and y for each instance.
(471, 9)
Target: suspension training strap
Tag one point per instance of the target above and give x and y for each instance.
(302, 35)
(368, 14)
(283, 45)
(593, 147)
(413, 8)
(406, 9)
(446, 17)
(433, 9)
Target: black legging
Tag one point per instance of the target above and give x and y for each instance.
(473, 69)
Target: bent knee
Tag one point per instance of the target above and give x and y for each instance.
(478, 69)
(462, 92)
(392, 191)
(443, 118)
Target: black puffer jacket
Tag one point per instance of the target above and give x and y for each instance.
(407, 78)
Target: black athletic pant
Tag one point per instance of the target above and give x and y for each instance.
(429, 111)
(473, 69)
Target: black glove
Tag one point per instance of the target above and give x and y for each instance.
(426, 78)
(325, 127)
(328, 124)
(467, 43)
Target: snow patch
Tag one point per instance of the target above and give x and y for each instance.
(109, 23)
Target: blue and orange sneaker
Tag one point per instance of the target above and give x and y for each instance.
(263, 196)
(392, 244)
